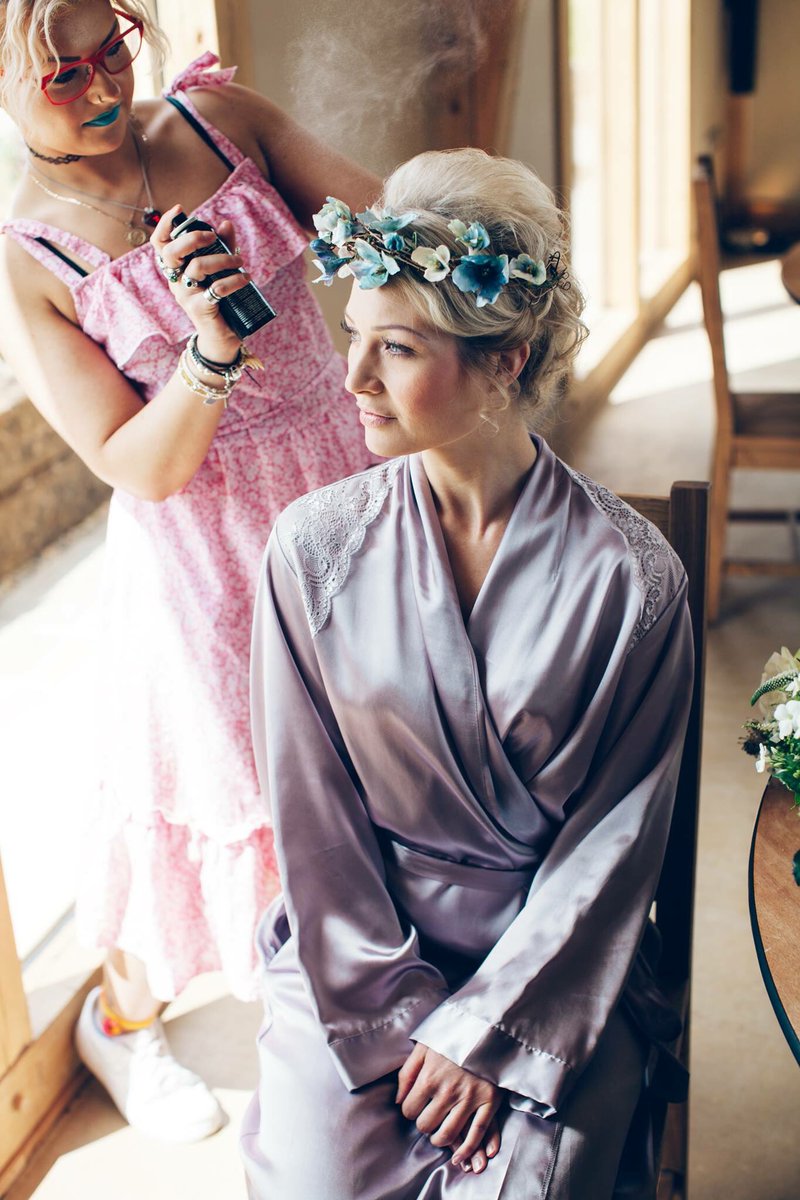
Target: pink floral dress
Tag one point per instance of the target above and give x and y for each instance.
(179, 858)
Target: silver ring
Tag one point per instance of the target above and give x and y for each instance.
(172, 274)
(211, 295)
(190, 283)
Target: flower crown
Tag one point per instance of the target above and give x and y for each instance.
(374, 245)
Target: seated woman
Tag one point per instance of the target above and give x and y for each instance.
(472, 670)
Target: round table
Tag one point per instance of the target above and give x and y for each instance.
(775, 906)
(790, 272)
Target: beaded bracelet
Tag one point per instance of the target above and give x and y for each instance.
(231, 372)
(209, 395)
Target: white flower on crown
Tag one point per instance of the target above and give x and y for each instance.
(436, 262)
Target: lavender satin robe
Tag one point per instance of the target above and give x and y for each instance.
(470, 821)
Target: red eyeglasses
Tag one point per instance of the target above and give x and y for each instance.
(75, 78)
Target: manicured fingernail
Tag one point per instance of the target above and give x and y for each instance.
(466, 1166)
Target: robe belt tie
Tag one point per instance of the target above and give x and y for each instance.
(468, 875)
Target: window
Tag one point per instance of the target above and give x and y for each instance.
(625, 137)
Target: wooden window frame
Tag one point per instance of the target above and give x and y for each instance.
(39, 1068)
(633, 319)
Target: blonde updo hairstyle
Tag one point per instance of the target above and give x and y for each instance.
(26, 43)
(520, 215)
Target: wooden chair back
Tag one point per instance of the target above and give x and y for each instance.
(755, 430)
(708, 269)
(683, 518)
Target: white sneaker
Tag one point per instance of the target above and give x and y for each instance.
(154, 1093)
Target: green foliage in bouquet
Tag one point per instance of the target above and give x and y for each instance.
(775, 739)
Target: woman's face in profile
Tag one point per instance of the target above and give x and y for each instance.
(408, 378)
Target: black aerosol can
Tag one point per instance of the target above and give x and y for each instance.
(246, 310)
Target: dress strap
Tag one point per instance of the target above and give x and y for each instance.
(64, 258)
(199, 130)
(202, 74)
(49, 246)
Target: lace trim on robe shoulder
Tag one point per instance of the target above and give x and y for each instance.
(657, 570)
(329, 527)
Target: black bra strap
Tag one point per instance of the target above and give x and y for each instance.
(200, 131)
(60, 254)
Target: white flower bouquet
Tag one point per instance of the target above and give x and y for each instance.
(774, 740)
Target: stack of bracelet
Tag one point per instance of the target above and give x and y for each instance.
(230, 373)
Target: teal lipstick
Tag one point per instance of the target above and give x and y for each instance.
(107, 118)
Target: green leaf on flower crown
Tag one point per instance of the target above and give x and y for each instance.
(778, 683)
(796, 867)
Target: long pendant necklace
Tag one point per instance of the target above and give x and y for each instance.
(150, 216)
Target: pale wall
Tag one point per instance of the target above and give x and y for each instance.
(354, 73)
(776, 141)
(774, 158)
(359, 83)
(708, 76)
(534, 128)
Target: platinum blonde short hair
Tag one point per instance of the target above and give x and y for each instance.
(26, 39)
(520, 215)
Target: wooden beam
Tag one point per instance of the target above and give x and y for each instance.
(235, 38)
(471, 103)
(765, 453)
(592, 391)
(738, 146)
(565, 116)
(15, 1028)
(38, 1087)
(761, 566)
(495, 81)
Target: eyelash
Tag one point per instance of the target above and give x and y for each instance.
(395, 349)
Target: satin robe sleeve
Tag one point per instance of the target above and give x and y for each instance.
(530, 1017)
(361, 967)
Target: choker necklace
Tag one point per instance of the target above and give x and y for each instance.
(150, 215)
(58, 159)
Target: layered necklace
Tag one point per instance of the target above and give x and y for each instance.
(146, 215)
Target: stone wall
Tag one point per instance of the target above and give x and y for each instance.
(44, 487)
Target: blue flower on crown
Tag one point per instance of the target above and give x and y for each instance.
(474, 236)
(384, 220)
(328, 261)
(484, 274)
(334, 222)
(371, 267)
(394, 241)
(388, 224)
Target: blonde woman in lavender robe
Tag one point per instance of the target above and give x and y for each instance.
(471, 682)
